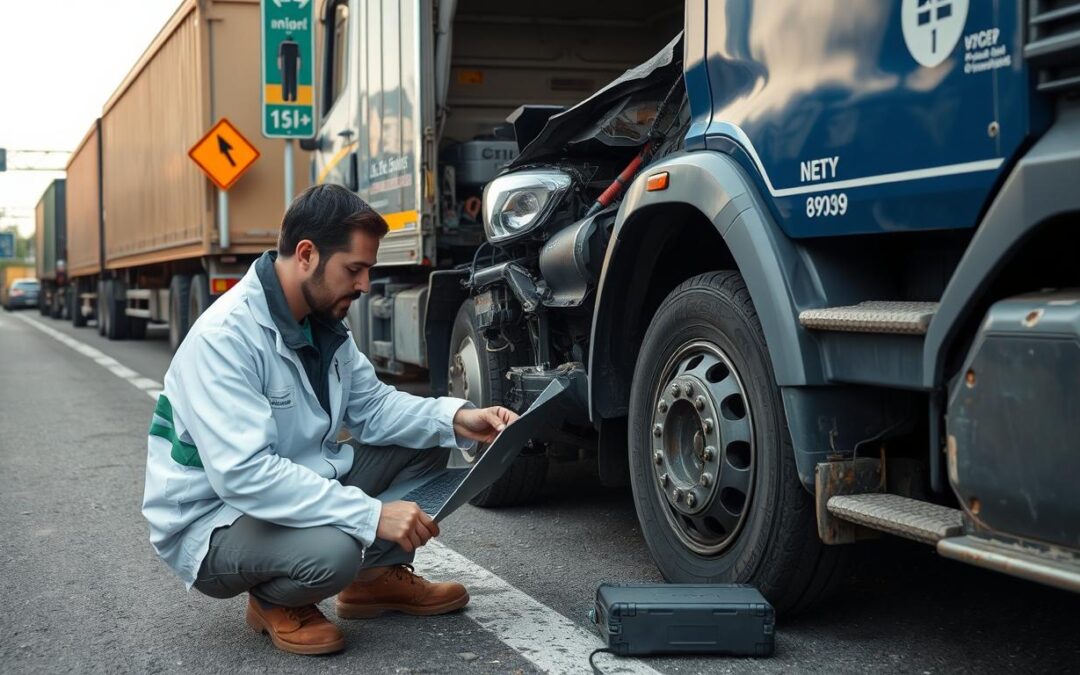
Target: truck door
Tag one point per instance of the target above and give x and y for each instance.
(390, 101)
(338, 137)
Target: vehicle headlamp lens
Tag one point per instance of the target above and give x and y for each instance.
(519, 202)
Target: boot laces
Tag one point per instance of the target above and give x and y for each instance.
(405, 571)
(304, 615)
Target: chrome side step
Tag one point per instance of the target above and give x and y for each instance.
(1061, 571)
(902, 516)
(872, 316)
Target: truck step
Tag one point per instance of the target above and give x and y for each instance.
(872, 316)
(902, 516)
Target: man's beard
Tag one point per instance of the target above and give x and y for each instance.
(322, 302)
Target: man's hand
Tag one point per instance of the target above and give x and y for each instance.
(482, 424)
(405, 524)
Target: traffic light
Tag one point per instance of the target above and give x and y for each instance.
(3, 159)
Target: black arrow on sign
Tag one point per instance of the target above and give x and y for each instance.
(224, 148)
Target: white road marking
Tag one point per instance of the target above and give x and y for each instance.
(552, 642)
(151, 387)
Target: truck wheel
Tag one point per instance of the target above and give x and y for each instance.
(713, 472)
(101, 310)
(77, 318)
(480, 376)
(198, 298)
(179, 290)
(116, 320)
(56, 307)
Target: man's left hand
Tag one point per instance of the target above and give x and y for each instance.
(482, 424)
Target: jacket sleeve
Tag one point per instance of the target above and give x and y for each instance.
(378, 414)
(230, 421)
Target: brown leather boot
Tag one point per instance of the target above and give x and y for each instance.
(399, 589)
(299, 630)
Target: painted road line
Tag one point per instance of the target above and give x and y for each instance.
(151, 387)
(554, 643)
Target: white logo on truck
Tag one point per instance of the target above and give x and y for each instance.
(932, 28)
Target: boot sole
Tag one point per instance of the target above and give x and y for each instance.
(255, 622)
(350, 611)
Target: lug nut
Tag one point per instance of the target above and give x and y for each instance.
(690, 499)
(676, 390)
(659, 457)
(709, 453)
(706, 479)
(662, 407)
(689, 389)
(658, 430)
(708, 426)
(663, 480)
(699, 403)
(676, 495)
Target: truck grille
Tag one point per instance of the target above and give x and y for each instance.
(1053, 44)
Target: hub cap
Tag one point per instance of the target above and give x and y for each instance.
(702, 447)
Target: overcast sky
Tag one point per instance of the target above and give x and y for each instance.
(59, 62)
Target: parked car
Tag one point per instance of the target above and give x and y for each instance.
(22, 293)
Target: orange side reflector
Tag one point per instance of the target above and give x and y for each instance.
(219, 285)
(656, 182)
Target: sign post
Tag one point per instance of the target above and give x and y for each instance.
(288, 75)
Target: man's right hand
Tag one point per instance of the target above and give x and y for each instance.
(405, 524)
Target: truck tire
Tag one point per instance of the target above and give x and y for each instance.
(56, 307)
(726, 443)
(100, 310)
(198, 298)
(77, 318)
(480, 376)
(116, 320)
(179, 290)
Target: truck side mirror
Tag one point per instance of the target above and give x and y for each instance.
(310, 144)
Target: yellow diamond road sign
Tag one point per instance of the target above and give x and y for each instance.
(224, 154)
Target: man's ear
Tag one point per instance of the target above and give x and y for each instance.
(307, 255)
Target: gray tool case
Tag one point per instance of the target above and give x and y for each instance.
(732, 619)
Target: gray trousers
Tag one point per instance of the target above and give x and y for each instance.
(294, 567)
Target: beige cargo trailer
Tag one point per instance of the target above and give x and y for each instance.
(168, 245)
(84, 224)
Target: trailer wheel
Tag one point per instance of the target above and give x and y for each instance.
(56, 307)
(179, 290)
(100, 310)
(712, 469)
(77, 318)
(480, 376)
(116, 322)
(198, 298)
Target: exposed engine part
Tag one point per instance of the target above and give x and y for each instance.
(621, 181)
(529, 292)
(495, 309)
(477, 162)
(570, 261)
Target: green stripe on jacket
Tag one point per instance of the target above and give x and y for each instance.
(182, 453)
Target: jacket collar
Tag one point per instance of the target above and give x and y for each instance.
(271, 308)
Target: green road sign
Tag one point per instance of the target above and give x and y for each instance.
(288, 68)
(7, 245)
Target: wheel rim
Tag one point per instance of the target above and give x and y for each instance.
(465, 377)
(702, 447)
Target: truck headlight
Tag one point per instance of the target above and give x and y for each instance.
(519, 202)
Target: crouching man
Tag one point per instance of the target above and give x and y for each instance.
(247, 487)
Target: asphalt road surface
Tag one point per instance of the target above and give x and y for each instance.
(82, 591)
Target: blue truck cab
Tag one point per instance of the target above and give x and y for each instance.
(853, 306)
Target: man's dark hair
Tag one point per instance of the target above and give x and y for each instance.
(327, 215)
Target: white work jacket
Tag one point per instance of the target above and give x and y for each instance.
(239, 430)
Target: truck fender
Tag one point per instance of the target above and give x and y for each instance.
(445, 295)
(778, 279)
